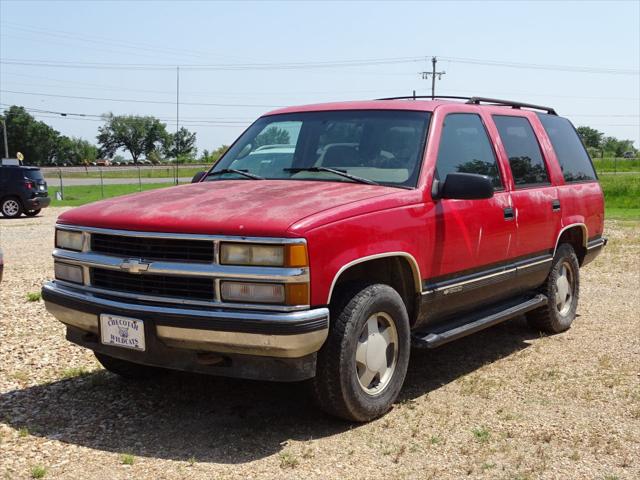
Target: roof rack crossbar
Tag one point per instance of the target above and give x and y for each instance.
(477, 101)
(509, 103)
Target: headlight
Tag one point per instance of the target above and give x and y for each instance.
(69, 273)
(263, 255)
(69, 240)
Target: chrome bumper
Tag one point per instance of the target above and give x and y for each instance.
(273, 334)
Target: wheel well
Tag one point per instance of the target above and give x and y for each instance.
(394, 271)
(575, 236)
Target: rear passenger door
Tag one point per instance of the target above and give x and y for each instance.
(535, 199)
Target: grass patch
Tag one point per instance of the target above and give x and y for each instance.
(288, 460)
(81, 194)
(23, 432)
(38, 471)
(616, 164)
(127, 459)
(481, 434)
(75, 372)
(34, 296)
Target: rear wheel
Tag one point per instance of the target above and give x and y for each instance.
(562, 289)
(11, 207)
(129, 370)
(32, 213)
(363, 363)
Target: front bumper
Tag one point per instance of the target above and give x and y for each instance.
(182, 330)
(38, 203)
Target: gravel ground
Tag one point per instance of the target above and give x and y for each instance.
(505, 403)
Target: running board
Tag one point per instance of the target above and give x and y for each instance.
(474, 323)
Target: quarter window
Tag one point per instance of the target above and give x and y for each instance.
(573, 157)
(523, 150)
(465, 148)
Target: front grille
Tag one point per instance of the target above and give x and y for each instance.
(158, 285)
(153, 248)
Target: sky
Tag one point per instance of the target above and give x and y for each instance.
(239, 60)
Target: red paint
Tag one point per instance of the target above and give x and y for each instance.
(344, 222)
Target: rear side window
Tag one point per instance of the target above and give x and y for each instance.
(525, 157)
(465, 148)
(573, 157)
(35, 175)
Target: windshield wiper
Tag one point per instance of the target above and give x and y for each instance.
(341, 173)
(244, 173)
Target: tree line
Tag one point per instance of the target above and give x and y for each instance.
(147, 137)
(141, 136)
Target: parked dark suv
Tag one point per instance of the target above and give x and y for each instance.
(22, 190)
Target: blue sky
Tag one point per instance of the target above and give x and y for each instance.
(598, 35)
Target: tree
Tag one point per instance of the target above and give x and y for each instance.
(272, 136)
(214, 156)
(616, 148)
(75, 151)
(139, 135)
(181, 144)
(590, 136)
(36, 140)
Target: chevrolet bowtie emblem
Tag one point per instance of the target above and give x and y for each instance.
(134, 265)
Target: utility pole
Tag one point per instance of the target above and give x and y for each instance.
(177, 117)
(4, 133)
(433, 73)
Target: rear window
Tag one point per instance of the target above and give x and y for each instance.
(35, 175)
(525, 157)
(573, 157)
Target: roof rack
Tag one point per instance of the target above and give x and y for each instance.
(509, 103)
(477, 101)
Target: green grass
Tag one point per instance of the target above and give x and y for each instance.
(79, 195)
(34, 297)
(128, 459)
(621, 195)
(168, 172)
(38, 471)
(616, 164)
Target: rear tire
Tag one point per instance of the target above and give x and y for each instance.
(363, 363)
(32, 213)
(128, 370)
(562, 289)
(11, 207)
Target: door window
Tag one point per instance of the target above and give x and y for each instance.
(465, 148)
(525, 156)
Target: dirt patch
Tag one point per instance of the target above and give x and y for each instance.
(505, 403)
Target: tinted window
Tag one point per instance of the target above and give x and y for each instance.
(465, 148)
(573, 158)
(525, 157)
(384, 146)
(35, 175)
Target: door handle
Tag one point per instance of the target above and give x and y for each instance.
(555, 205)
(508, 213)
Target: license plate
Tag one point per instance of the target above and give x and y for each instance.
(122, 332)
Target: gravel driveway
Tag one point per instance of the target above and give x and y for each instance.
(505, 403)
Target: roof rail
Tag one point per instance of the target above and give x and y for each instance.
(414, 97)
(477, 101)
(509, 103)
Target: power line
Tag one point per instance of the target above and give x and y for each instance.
(157, 102)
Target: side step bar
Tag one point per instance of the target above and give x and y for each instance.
(475, 322)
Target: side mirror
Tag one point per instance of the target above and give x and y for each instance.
(465, 186)
(198, 176)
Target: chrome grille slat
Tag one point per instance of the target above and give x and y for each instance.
(154, 248)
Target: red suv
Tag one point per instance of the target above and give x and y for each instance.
(329, 239)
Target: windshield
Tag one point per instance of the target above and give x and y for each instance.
(382, 146)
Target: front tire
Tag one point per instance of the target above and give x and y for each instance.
(362, 365)
(11, 207)
(32, 213)
(128, 370)
(562, 289)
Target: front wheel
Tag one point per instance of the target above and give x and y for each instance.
(562, 289)
(363, 363)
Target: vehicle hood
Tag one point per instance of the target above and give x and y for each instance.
(228, 207)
